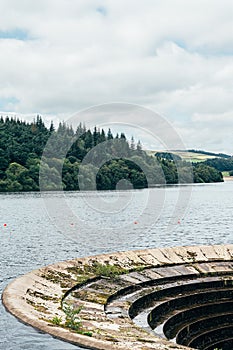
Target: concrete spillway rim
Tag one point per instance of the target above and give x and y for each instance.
(16, 295)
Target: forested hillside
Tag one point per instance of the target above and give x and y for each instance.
(221, 164)
(22, 145)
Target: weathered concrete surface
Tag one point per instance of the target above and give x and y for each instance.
(36, 297)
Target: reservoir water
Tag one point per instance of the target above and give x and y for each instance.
(40, 230)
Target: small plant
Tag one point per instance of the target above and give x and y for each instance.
(107, 270)
(73, 321)
(56, 320)
(89, 334)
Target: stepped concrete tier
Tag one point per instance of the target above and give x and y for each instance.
(169, 298)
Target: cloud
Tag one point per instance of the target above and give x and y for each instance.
(60, 56)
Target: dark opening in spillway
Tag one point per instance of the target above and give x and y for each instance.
(199, 316)
(186, 308)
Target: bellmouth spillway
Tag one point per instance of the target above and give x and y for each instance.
(168, 298)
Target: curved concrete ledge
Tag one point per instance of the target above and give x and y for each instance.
(109, 288)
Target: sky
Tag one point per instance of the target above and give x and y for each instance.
(174, 57)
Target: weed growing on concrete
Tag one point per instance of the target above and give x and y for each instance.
(72, 321)
(56, 320)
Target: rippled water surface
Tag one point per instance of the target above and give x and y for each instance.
(56, 227)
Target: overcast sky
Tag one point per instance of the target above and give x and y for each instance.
(173, 56)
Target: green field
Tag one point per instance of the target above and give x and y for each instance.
(187, 156)
(225, 173)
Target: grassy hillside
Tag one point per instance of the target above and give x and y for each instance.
(189, 156)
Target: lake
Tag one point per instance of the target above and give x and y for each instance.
(42, 229)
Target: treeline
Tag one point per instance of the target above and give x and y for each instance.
(220, 164)
(83, 159)
(221, 155)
